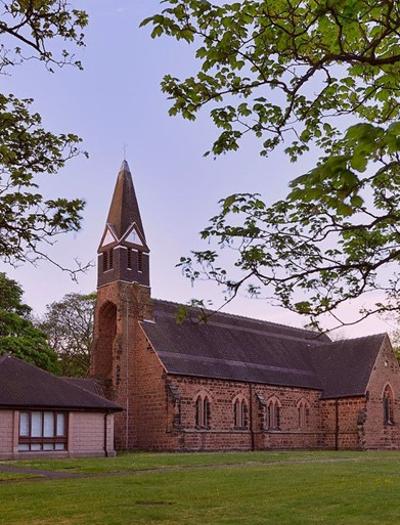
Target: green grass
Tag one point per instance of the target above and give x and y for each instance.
(149, 461)
(15, 476)
(320, 488)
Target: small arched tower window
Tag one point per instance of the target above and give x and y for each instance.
(140, 261)
(203, 411)
(388, 405)
(273, 415)
(240, 413)
(303, 413)
(108, 260)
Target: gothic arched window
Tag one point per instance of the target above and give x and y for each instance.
(206, 413)
(199, 411)
(203, 411)
(388, 405)
(303, 412)
(273, 415)
(240, 412)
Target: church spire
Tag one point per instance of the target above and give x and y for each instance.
(123, 253)
(124, 209)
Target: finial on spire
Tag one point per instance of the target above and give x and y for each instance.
(125, 146)
(125, 166)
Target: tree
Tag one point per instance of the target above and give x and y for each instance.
(31, 29)
(68, 325)
(315, 76)
(18, 335)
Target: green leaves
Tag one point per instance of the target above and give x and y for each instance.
(18, 335)
(317, 76)
(27, 219)
(29, 27)
(317, 62)
(68, 326)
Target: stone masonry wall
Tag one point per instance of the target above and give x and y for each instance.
(341, 422)
(131, 303)
(222, 434)
(163, 413)
(154, 410)
(386, 371)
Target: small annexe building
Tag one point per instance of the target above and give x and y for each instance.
(41, 414)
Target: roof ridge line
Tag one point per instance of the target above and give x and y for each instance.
(380, 334)
(239, 316)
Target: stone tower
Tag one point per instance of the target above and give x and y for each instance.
(123, 299)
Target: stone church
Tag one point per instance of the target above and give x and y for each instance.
(231, 383)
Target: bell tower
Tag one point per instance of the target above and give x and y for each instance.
(123, 300)
(123, 254)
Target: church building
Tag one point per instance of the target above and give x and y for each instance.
(230, 383)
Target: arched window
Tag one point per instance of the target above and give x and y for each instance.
(206, 413)
(388, 404)
(203, 411)
(199, 411)
(243, 412)
(273, 414)
(240, 413)
(303, 412)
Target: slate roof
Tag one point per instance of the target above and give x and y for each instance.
(344, 367)
(87, 383)
(124, 209)
(242, 349)
(23, 385)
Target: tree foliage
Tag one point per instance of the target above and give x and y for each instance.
(68, 325)
(31, 29)
(18, 335)
(311, 76)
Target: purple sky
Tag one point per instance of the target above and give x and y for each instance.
(117, 100)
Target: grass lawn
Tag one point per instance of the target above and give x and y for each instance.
(11, 476)
(295, 488)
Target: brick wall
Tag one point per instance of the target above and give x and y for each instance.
(385, 371)
(222, 434)
(153, 407)
(86, 434)
(340, 419)
(120, 270)
(131, 302)
(165, 412)
(6, 433)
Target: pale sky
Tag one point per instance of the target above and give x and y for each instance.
(117, 100)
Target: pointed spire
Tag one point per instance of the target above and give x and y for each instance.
(124, 209)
